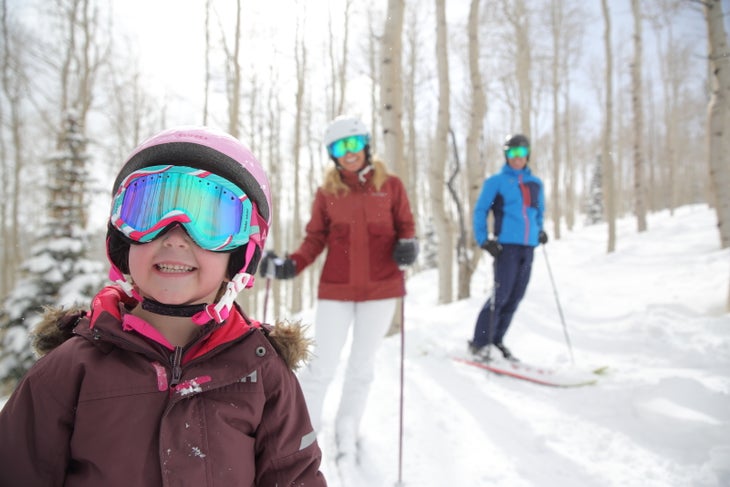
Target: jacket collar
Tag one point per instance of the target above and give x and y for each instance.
(507, 169)
(112, 302)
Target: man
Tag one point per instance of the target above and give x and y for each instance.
(517, 201)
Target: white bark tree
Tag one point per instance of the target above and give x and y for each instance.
(391, 87)
(474, 163)
(718, 129)
(638, 125)
(719, 120)
(233, 76)
(13, 86)
(557, 20)
(441, 218)
(518, 18)
(300, 53)
(607, 141)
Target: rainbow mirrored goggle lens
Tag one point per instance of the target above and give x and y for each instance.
(519, 151)
(354, 143)
(214, 212)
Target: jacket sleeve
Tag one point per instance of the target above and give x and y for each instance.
(405, 226)
(286, 444)
(317, 231)
(481, 210)
(36, 426)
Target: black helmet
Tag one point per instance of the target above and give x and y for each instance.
(516, 140)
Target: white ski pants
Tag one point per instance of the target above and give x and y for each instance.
(369, 321)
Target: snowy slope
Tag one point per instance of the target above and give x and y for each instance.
(652, 312)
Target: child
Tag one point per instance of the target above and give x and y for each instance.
(165, 381)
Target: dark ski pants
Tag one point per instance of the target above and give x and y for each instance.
(511, 274)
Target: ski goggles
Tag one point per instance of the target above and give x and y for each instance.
(213, 211)
(353, 143)
(519, 151)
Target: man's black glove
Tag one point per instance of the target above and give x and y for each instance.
(542, 237)
(493, 247)
(273, 266)
(406, 251)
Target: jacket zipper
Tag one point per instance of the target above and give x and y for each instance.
(176, 362)
(525, 204)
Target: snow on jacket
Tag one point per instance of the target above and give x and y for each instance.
(110, 407)
(517, 200)
(359, 229)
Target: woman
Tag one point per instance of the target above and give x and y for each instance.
(362, 216)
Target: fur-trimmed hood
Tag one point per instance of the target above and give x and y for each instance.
(225, 410)
(57, 325)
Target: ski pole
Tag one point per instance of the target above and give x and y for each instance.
(491, 330)
(560, 309)
(402, 380)
(266, 296)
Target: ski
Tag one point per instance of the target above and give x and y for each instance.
(547, 376)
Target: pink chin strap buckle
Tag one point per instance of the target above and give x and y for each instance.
(222, 309)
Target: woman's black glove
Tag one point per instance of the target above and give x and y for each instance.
(542, 237)
(493, 247)
(406, 251)
(273, 266)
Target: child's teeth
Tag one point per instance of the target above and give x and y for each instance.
(174, 268)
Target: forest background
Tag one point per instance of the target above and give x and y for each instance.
(625, 102)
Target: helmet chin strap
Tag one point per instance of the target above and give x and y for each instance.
(219, 311)
(177, 310)
(200, 313)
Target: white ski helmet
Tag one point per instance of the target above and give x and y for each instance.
(342, 127)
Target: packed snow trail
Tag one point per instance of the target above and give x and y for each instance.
(651, 311)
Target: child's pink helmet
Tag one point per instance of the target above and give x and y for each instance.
(221, 154)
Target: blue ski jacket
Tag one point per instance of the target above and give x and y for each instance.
(517, 199)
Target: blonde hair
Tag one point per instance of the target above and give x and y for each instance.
(333, 183)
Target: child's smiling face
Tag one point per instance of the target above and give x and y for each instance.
(172, 269)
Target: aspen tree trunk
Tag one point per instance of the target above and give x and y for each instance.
(12, 166)
(718, 118)
(556, 21)
(569, 175)
(441, 219)
(391, 88)
(415, 176)
(373, 67)
(719, 121)
(342, 69)
(234, 78)
(296, 227)
(233, 84)
(518, 17)
(606, 151)
(206, 86)
(391, 99)
(474, 163)
(638, 126)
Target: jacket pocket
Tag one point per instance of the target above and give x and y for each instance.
(381, 242)
(337, 265)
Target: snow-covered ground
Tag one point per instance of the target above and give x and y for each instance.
(652, 312)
